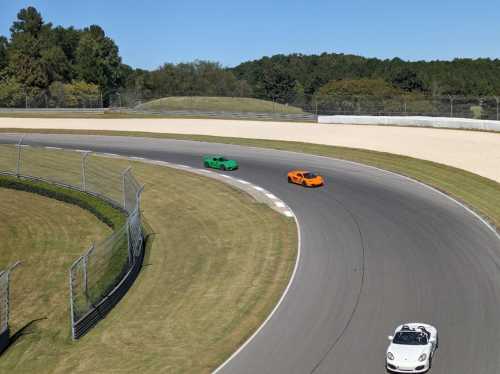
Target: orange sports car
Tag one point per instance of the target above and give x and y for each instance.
(305, 178)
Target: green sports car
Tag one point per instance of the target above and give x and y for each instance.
(219, 162)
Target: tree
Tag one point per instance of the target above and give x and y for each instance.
(407, 80)
(3, 52)
(98, 61)
(11, 93)
(67, 39)
(29, 21)
(56, 64)
(278, 84)
(24, 52)
(359, 87)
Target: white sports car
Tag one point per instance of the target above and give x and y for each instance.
(412, 348)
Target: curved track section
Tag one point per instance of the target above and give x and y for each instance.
(377, 249)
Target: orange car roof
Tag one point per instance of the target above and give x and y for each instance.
(299, 171)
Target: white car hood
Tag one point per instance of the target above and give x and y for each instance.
(411, 353)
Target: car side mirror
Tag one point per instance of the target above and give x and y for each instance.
(390, 338)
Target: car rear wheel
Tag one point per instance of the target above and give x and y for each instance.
(223, 167)
(304, 183)
(289, 180)
(206, 164)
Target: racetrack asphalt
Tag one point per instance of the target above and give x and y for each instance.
(377, 250)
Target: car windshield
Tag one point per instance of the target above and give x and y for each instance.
(410, 338)
(310, 175)
(222, 159)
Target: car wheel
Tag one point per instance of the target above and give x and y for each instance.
(304, 183)
(289, 180)
(223, 167)
(206, 164)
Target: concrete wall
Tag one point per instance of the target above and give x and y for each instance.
(452, 123)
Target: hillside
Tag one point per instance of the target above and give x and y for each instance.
(218, 104)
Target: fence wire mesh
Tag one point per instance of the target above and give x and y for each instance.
(473, 107)
(105, 265)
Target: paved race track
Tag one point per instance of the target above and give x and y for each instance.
(377, 249)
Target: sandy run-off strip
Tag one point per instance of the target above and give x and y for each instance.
(478, 152)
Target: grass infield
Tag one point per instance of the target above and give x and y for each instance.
(215, 267)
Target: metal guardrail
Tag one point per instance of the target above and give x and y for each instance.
(52, 110)
(306, 117)
(104, 273)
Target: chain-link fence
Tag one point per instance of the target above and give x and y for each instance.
(54, 99)
(406, 105)
(105, 271)
(5, 306)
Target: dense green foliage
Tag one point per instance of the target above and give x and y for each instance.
(40, 60)
(42, 65)
(309, 74)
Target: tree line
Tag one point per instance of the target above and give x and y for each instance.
(297, 77)
(46, 65)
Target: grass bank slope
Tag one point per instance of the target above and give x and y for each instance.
(218, 104)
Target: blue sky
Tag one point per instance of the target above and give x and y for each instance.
(150, 33)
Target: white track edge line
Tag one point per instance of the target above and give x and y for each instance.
(475, 214)
(282, 298)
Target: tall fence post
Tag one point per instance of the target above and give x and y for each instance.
(18, 163)
(124, 175)
(84, 166)
(9, 270)
(71, 307)
(85, 277)
(451, 105)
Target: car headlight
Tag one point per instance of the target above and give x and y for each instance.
(390, 356)
(422, 357)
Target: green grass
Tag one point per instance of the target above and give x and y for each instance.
(214, 269)
(218, 104)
